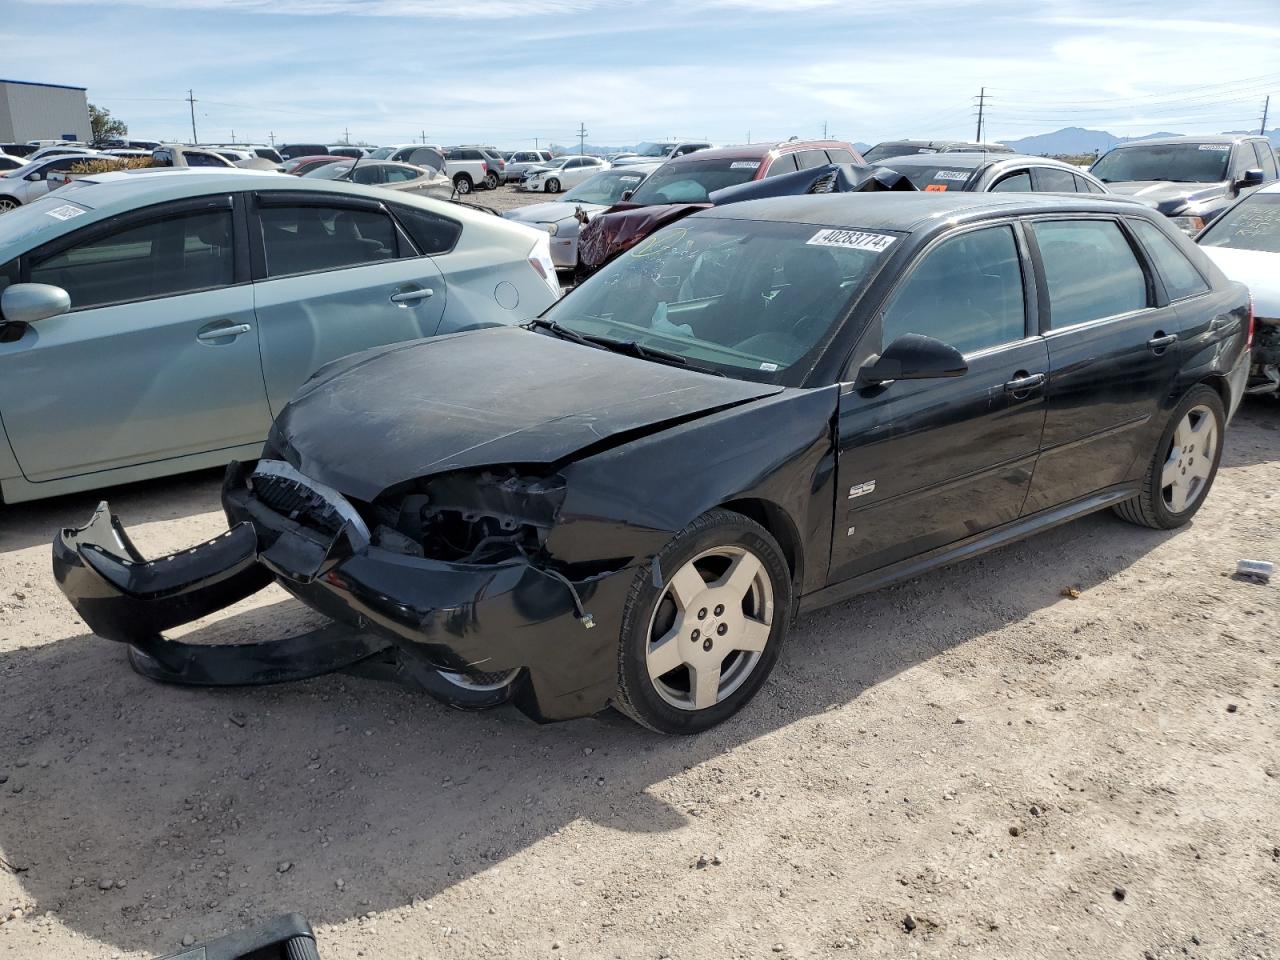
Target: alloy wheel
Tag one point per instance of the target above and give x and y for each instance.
(6, 205)
(1189, 463)
(709, 628)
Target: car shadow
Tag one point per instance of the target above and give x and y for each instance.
(1259, 416)
(35, 522)
(217, 808)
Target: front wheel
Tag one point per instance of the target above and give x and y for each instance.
(553, 185)
(1184, 464)
(462, 184)
(696, 649)
(7, 204)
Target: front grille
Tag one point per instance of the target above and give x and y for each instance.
(298, 502)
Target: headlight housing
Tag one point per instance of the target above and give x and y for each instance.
(1188, 224)
(551, 228)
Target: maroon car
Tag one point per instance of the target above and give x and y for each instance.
(683, 185)
(300, 165)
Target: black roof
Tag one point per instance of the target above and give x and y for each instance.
(908, 212)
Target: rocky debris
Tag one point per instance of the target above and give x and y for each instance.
(284, 866)
(909, 923)
(1119, 893)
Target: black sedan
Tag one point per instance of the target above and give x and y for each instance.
(758, 411)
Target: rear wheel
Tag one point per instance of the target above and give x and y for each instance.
(491, 180)
(553, 185)
(694, 651)
(1184, 464)
(462, 183)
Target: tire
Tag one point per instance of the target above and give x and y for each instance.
(462, 184)
(7, 204)
(699, 561)
(471, 692)
(492, 180)
(1183, 465)
(553, 185)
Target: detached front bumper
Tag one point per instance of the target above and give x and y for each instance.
(427, 614)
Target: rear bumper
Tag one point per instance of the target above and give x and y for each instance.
(439, 615)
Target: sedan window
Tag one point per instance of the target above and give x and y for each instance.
(1181, 279)
(164, 257)
(966, 292)
(691, 180)
(1091, 271)
(1054, 180)
(314, 238)
(399, 174)
(1252, 224)
(431, 232)
(1019, 182)
(748, 298)
(8, 273)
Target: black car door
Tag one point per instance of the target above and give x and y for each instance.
(1113, 356)
(924, 463)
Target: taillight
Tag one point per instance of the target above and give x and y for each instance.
(1248, 340)
(542, 271)
(484, 167)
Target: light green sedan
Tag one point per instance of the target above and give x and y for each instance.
(155, 322)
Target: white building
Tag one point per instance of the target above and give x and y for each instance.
(42, 111)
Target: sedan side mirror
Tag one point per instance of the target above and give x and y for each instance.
(28, 302)
(1252, 178)
(626, 194)
(912, 356)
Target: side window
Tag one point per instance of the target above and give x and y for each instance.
(1266, 158)
(1053, 180)
(575, 164)
(840, 156)
(1090, 269)
(8, 273)
(164, 257)
(786, 163)
(1019, 182)
(398, 174)
(967, 292)
(430, 232)
(1242, 159)
(812, 158)
(369, 175)
(1181, 279)
(1085, 185)
(306, 239)
(204, 160)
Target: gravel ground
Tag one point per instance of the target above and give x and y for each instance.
(973, 764)
(507, 197)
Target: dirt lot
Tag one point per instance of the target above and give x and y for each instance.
(1023, 774)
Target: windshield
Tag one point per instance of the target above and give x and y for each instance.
(933, 177)
(606, 188)
(330, 171)
(382, 153)
(894, 149)
(750, 299)
(648, 149)
(692, 181)
(1252, 224)
(1176, 162)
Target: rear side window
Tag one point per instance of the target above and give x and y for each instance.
(430, 232)
(967, 292)
(1090, 269)
(812, 158)
(308, 239)
(841, 156)
(1085, 185)
(1181, 278)
(1019, 182)
(1053, 180)
(783, 164)
(164, 257)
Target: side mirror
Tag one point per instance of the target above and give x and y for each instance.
(29, 302)
(1252, 178)
(912, 356)
(626, 194)
(32, 176)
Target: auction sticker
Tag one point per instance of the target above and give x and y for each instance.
(852, 240)
(1215, 147)
(65, 212)
(951, 175)
(745, 165)
(935, 188)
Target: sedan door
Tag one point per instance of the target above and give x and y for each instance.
(926, 463)
(158, 357)
(333, 275)
(1113, 357)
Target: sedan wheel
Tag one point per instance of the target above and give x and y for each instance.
(491, 181)
(7, 204)
(553, 185)
(695, 650)
(1184, 465)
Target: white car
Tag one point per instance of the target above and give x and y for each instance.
(562, 173)
(57, 150)
(1244, 241)
(663, 150)
(10, 163)
(31, 180)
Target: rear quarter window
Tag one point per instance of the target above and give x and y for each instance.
(1091, 271)
(1181, 278)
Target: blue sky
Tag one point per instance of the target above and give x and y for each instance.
(509, 71)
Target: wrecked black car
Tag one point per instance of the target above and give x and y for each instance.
(759, 410)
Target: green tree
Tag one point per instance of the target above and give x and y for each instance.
(103, 125)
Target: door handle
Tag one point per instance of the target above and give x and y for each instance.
(1160, 341)
(1023, 382)
(219, 333)
(412, 296)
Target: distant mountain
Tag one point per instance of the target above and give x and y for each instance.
(1075, 141)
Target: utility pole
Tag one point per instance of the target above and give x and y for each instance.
(982, 103)
(191, 99)
(346, 136)
(582, 138)
(535, 144)
(233, 136)
(1266, 107)
(424, 136)
(272, 137)
(824, 129)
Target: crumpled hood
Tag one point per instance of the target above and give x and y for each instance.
(503, 395)
(623, 226)
(1168, 198)
(551, 212)
(1256, 269)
